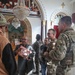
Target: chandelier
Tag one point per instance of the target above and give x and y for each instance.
(21, 11)
(16, 23)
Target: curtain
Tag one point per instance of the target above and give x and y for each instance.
(57, 31)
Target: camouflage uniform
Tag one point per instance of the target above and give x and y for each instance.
(61, 48)
(50, 64)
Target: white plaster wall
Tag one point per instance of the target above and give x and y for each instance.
(36, 27)
(52, 6)
(74, 7)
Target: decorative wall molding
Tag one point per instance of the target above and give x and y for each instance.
(62, 11)
(29, 30)
(42, 9)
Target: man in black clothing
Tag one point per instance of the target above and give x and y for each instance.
(25, 64)
(36, 47)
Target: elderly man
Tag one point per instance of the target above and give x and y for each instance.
(25, 63)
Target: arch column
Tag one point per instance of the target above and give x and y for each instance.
(43, 29)
(41, 8)
(43, 13)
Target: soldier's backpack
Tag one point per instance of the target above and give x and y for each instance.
(70, 54)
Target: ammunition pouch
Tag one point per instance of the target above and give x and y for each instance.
(51, 68)
(68, 60)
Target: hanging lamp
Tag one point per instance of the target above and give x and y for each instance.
(21, 11)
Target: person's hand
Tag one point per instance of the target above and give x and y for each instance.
(28, 58)
(20, 53)
(18, 50)
(46, 54)
(22, 47)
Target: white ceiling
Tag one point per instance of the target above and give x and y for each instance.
(72, 1)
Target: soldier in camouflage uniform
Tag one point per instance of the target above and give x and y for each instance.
(51, 46)
(67, 34)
